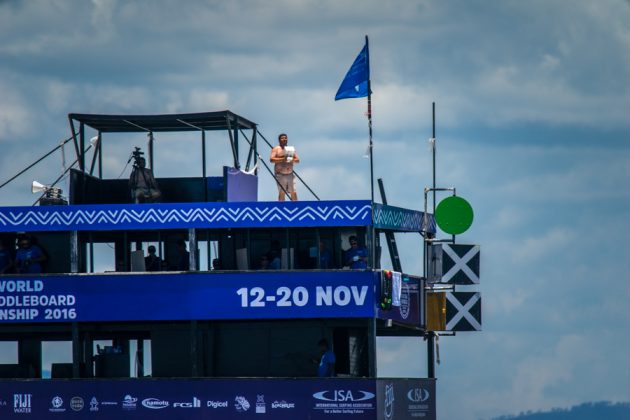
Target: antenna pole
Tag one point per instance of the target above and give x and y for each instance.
(430, 335)
(433, 147)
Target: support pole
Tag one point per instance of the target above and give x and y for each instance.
(431, 354)
(192, 252)
(372, 348)
(140, 358)
(232, 145)
(100, 155)
(74, 251)
(194, 348)
(203, 165)
(82, 147)
(238, 161)
(91, 251)
(389, 235)
(151, 151)
(77, 355)
(369, 115)
(255, 145)
(74, 138)
(430, 334)
(94, 159)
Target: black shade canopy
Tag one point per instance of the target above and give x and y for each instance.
(220, 120)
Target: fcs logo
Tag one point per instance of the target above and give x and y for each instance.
(418, 395)
(343, 395)
(196, 403)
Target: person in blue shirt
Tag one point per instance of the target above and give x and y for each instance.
(325, 257)
(326, 368)
(29, 257)
(356, 257)
(273, 256)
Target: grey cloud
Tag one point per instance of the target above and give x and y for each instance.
(532, 130)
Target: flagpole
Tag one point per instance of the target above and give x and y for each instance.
(372, 230)
(369, 115)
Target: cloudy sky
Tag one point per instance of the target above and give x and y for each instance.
(532, 128)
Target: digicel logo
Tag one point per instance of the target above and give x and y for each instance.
(217, 404)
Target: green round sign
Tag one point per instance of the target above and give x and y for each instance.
(454, 215)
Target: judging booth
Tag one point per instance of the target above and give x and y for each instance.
(227, 323)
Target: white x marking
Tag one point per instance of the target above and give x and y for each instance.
(462, 311)
(460, 264)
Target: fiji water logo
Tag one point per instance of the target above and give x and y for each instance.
(418, 395)
(22, 403)
(241, 404)
(343, 395)
(389, 402)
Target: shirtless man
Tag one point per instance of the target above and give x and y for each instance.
(284, 168)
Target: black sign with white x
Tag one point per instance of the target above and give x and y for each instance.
(454, 264)
(463, 311)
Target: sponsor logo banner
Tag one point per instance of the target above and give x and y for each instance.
(280, 399)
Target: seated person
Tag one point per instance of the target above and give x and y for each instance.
(29, 257)
(356, 257)
(273, 256)
(183, 261)
(270, 261)
(152, 262)
(325, 257)
(143, 186)
(264, 262)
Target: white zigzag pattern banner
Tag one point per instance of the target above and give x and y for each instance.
(273, 213)
(400, 218)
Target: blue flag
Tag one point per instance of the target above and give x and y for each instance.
(355, 84)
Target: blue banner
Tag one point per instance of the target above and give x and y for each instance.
(190, 296)
(359, 399)
(402, 220)
(186, 215)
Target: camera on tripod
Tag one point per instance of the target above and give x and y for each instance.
(136, 155)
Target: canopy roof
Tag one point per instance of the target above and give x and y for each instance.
(220, 120)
